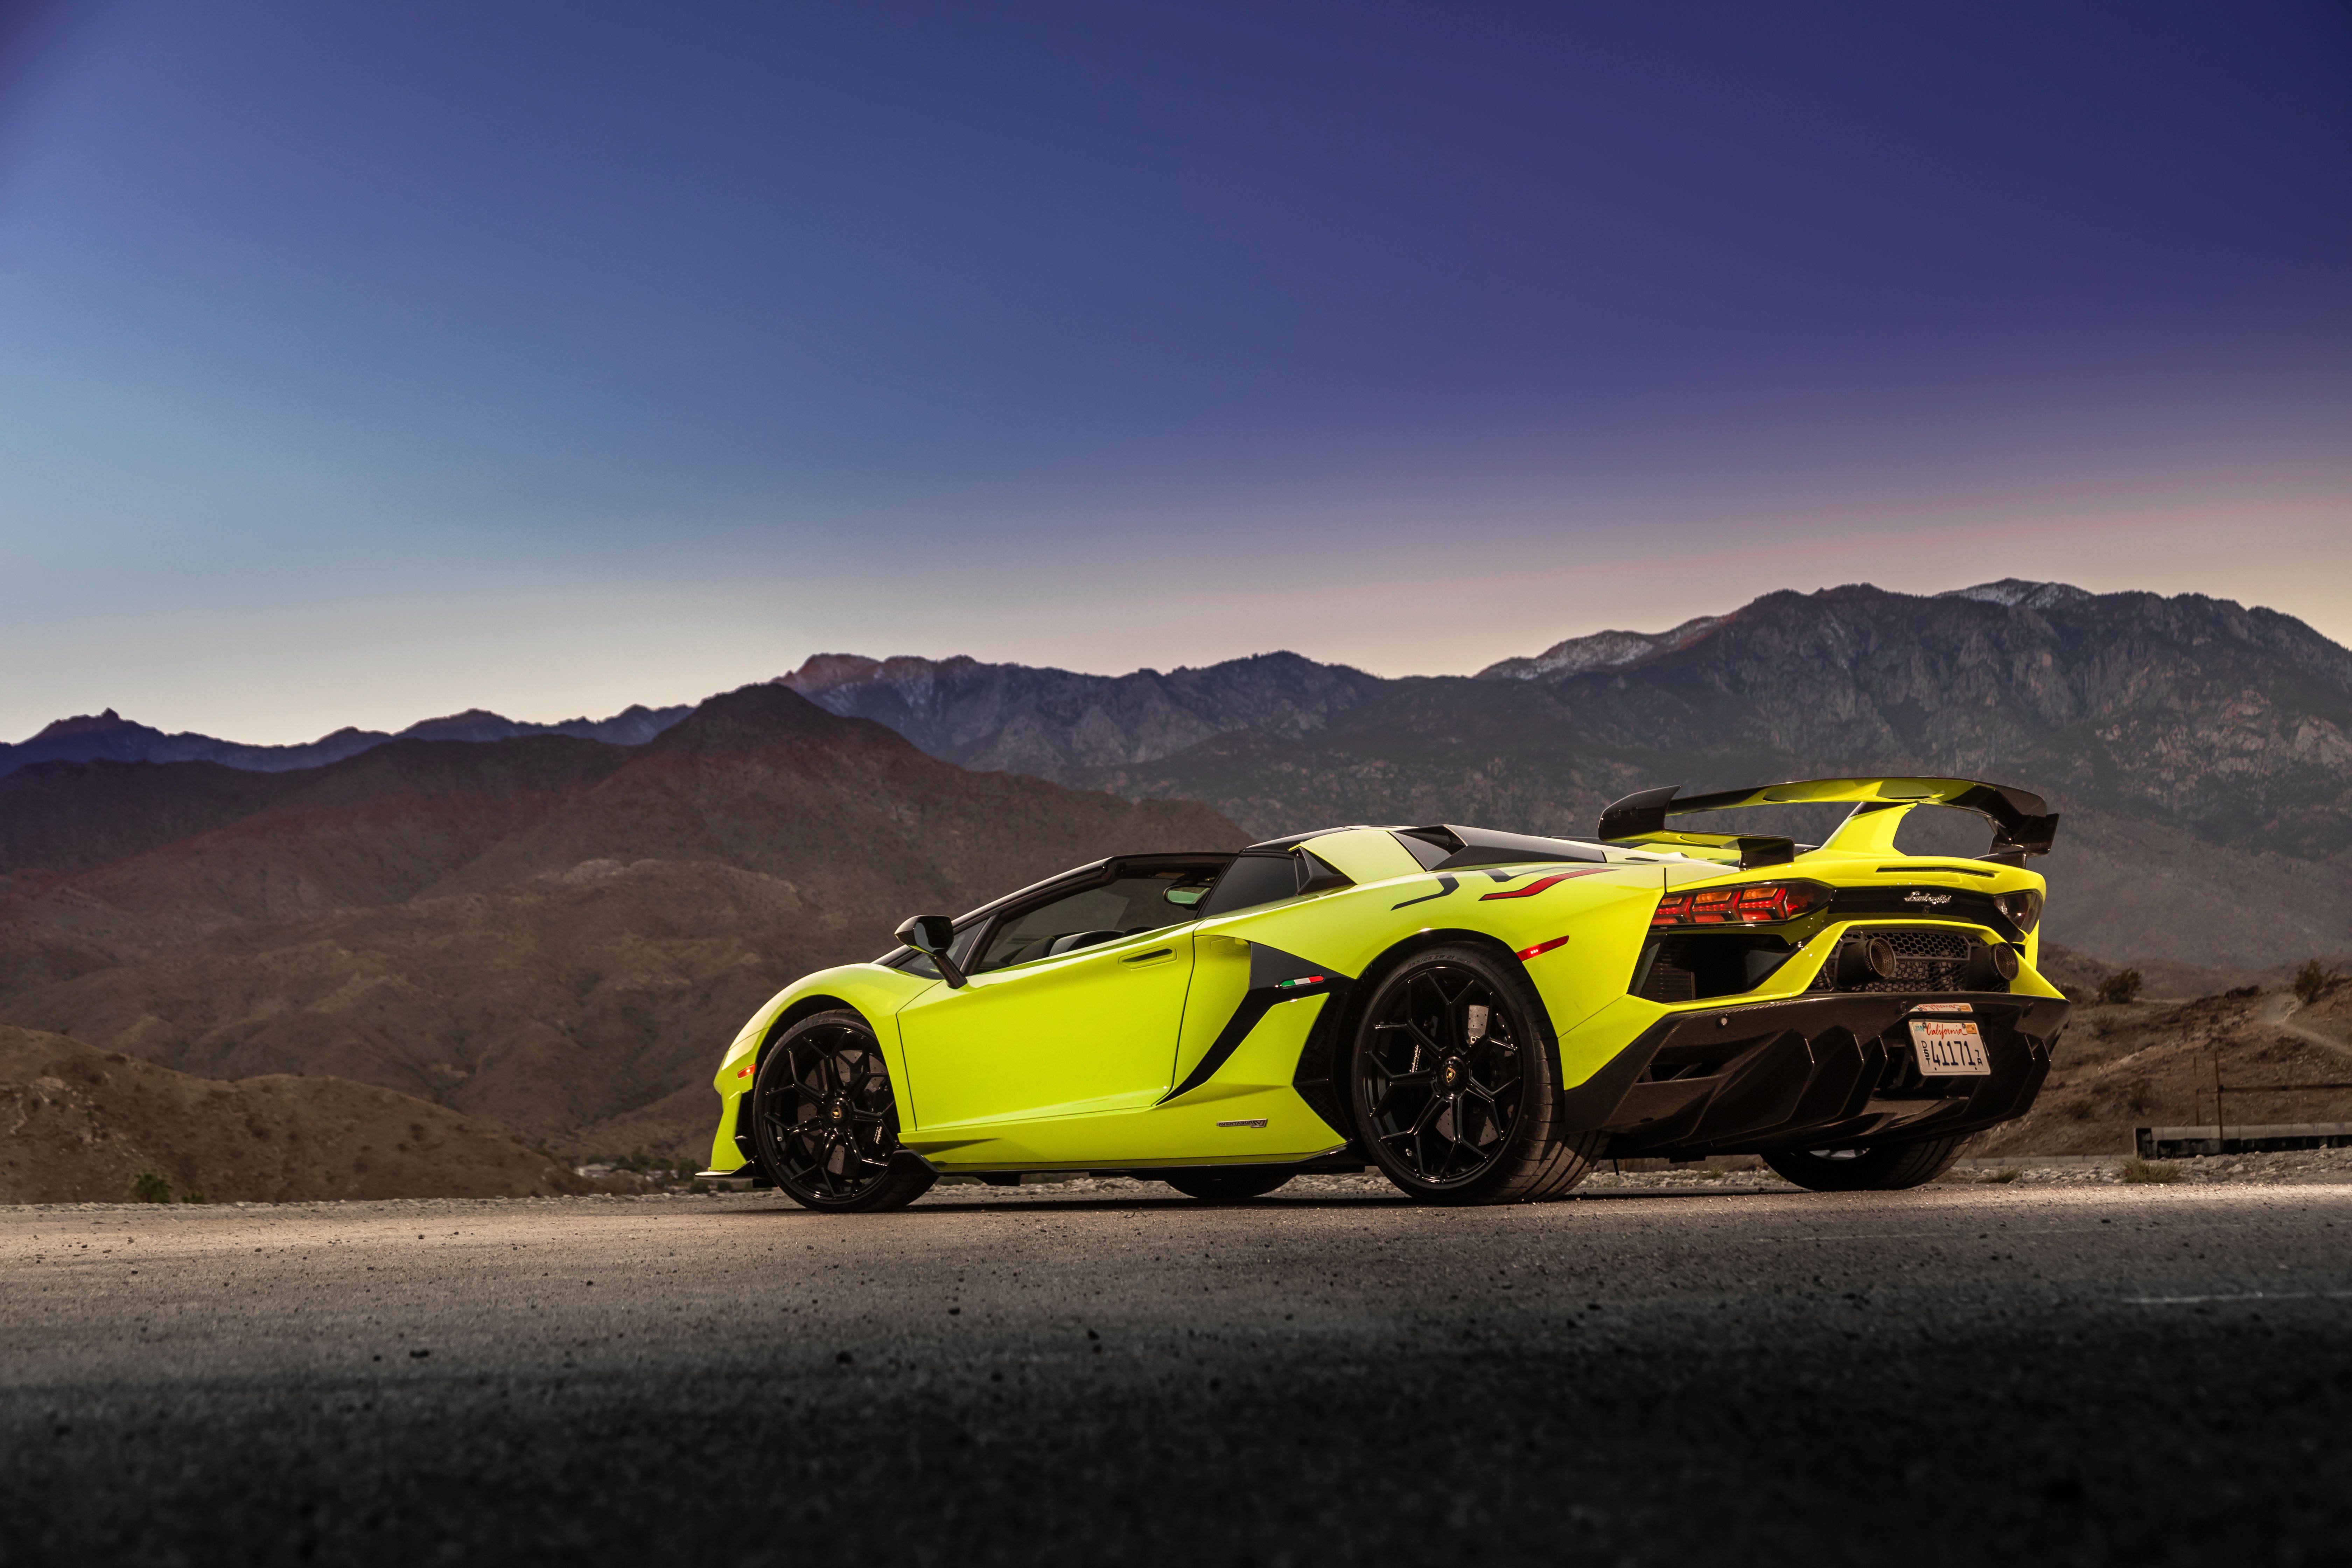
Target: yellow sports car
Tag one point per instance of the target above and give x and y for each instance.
(1479, 1014)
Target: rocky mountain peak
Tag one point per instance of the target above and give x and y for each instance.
(1603, 650)
(824, 671)
(86, 724)
(473, 724)
(2017, 594)
(910, 676)
(762, 717)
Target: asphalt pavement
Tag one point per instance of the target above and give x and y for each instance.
(1980, 1374)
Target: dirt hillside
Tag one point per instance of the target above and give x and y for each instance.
(2151, 1063)
(554, 936)
(79, 1124)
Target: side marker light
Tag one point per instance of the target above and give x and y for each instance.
(1541, 948)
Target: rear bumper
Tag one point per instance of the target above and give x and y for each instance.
(1808, 1073)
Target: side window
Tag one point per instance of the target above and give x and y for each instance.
(1253, 879)
(1122, 907)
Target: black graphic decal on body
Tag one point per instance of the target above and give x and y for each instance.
(1276, 977)
(1445, 886)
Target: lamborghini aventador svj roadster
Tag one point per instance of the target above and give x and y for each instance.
(1479, 1014)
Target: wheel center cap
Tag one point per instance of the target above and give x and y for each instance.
(1452, 1072)
(839, 1110)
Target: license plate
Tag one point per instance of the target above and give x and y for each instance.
(1948, 1047)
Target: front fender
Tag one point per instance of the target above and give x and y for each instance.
(868, 989)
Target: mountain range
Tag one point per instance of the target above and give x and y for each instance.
(90, 737)
(2197, 750)
(555, 934)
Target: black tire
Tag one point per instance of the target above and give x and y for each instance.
(1882, 1168)
(1454, 1110)
(825, 1123)
(1227, 1183)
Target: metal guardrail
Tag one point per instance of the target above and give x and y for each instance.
(2175, 1142)
(2220, 1105)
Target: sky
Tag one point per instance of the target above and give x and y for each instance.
(361, 362)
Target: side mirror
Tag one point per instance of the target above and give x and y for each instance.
(932, 935)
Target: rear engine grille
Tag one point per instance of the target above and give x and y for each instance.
(1686, 968)
(1669, 982)
(1924, 961)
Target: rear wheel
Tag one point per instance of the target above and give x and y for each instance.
(1454, 1087)
(826, 1122)
(1227, 1183)
(1881, 1168)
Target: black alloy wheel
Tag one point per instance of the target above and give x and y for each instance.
(1227, 1183)
(1454, 1087)
(1886, 1168)
(826, 1122)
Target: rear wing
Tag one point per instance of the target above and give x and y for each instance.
(2022, 822)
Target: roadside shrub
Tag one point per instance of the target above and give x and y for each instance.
(2139, 1170)
(2120, 988)
(2078, 1109)
(2140, 1100)
(150, 1187)
(2314, 980)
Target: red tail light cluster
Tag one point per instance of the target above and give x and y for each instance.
(2024, 908)
(1755, 904)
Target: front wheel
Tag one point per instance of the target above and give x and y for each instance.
(826, 1122)
(1227, 1183)
(1454, 1087)
(1883, 1168)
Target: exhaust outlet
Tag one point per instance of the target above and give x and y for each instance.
(1991, 967)
(1861, 963)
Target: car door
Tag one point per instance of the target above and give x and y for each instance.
(1073, 1010)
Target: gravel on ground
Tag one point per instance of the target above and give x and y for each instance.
(1086, 1372)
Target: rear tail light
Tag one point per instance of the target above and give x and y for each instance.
(1754, 904)
(2024, 909)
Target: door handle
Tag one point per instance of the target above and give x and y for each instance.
(1143, 958)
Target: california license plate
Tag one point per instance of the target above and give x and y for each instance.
(1948, 1047)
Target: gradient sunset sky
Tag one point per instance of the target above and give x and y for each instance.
(361, 362)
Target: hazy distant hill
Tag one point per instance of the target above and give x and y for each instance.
(2198, 750)
(95, 736)
(543, 932)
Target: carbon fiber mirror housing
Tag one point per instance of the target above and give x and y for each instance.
(932, 935)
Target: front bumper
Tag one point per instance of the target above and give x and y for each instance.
(1808, 1073)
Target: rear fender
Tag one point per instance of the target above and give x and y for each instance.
(1323, 1064)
